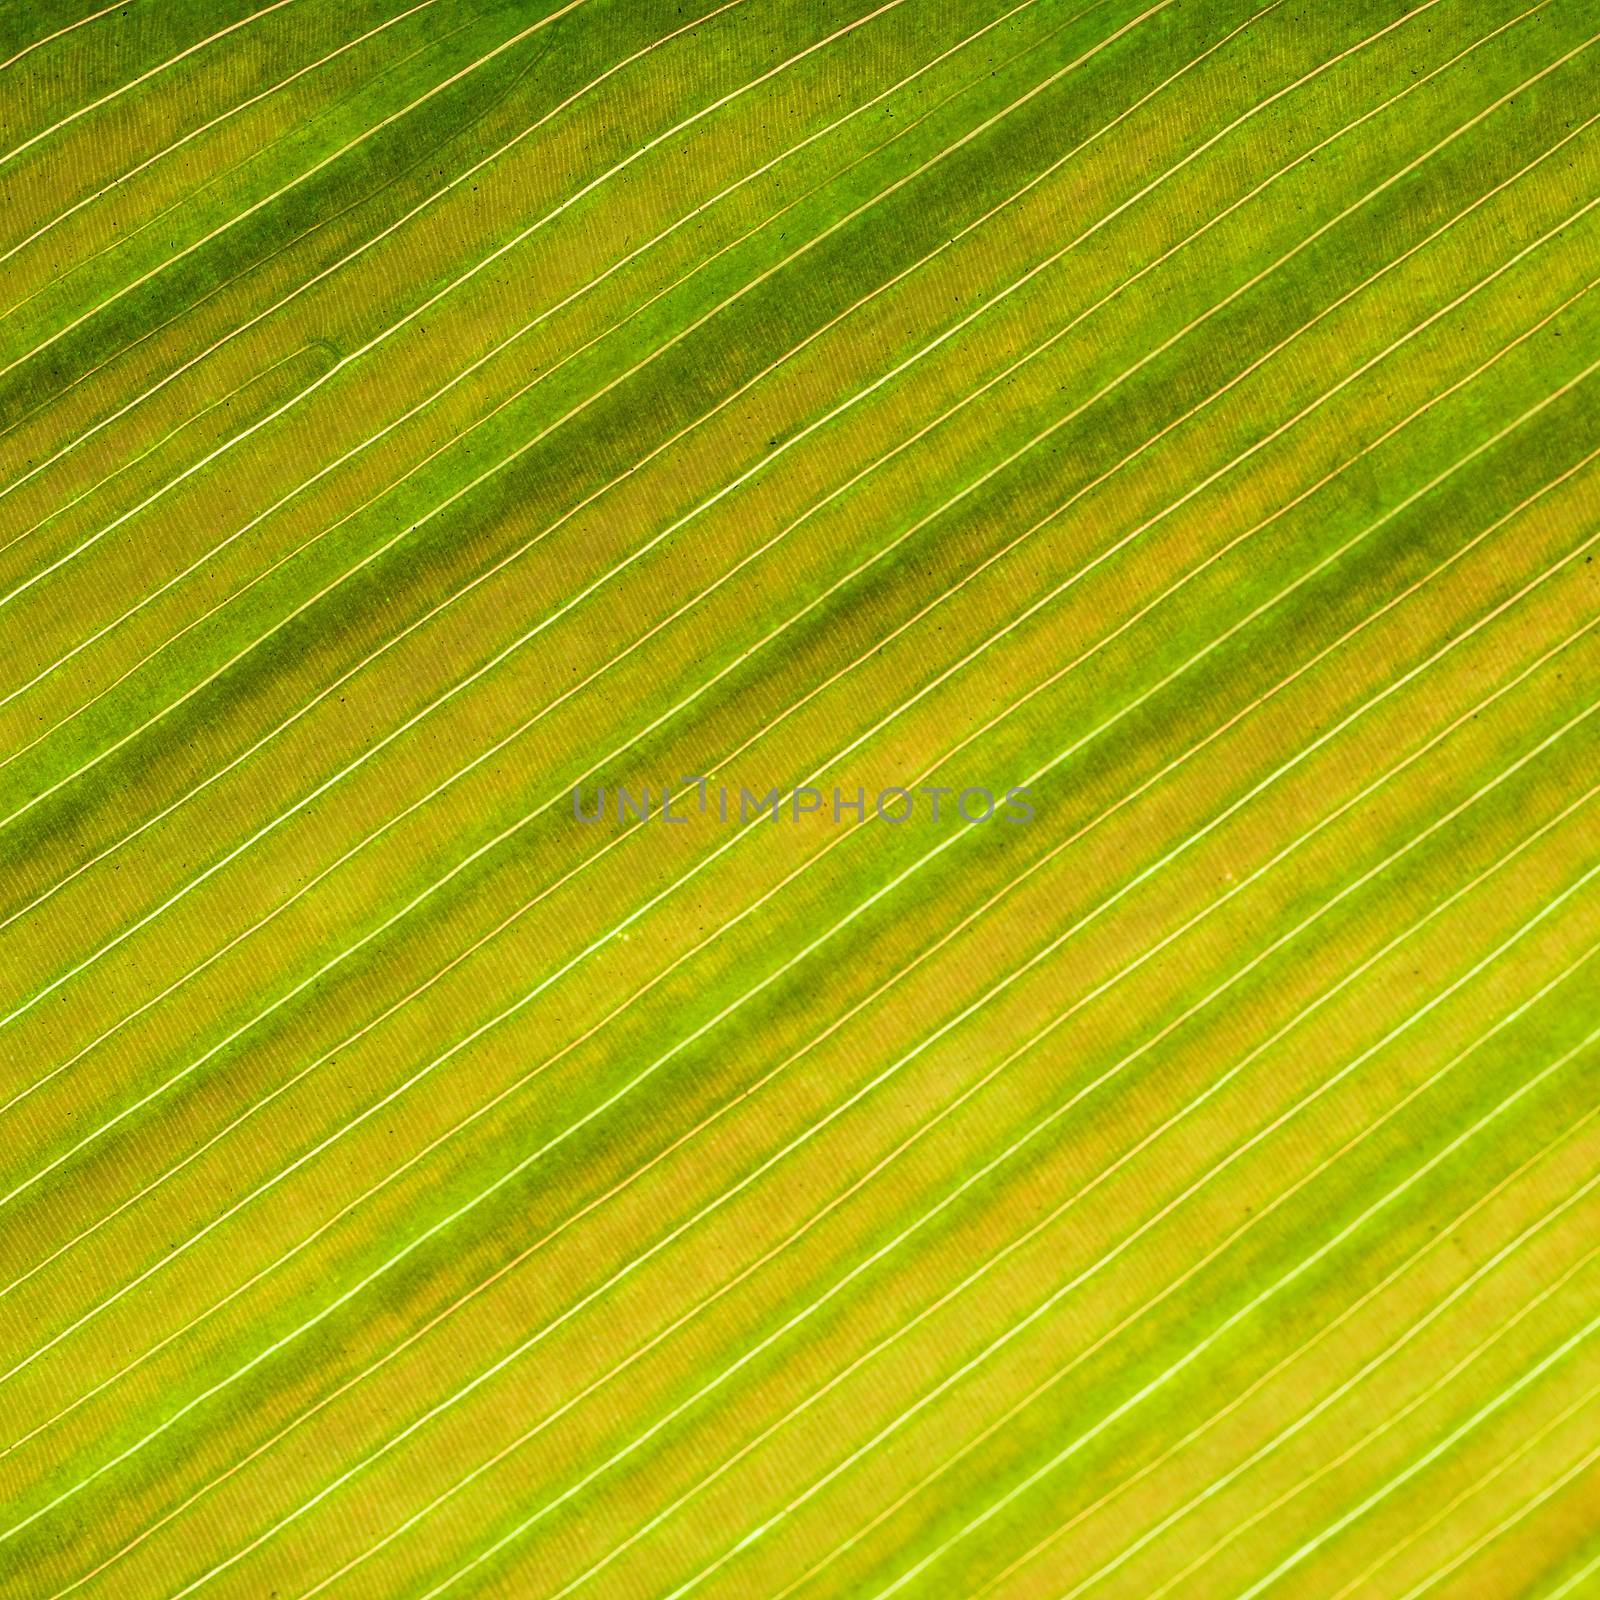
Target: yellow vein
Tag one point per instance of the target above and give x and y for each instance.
(539, 810)
(71, 27)
(133, 83)
(525, 999)
(1039, 1311)
(266, 200)
(1235, 1318)
(204, 128)
(1424, 1461)
(921, 1132)
(1292, 1430)
(1446, 1233)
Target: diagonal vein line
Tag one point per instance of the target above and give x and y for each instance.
(1278, 1367)
(325, 272)
(1048, 949)
(543, 433)
(404, 910)
(1435, 1240)
(674, 528)
(1082, 832)
(927, 1127)
(812, 1130)
(539, 122)
(918, 961)
(266, 200)
(71, 27)
(345, 677)
(1433, 1389)
(229, 1564)
(1576, 1581)
(594, 1204)
(126, 464)
(133, 83)
(517, 394)
(500, 250)
(1207, 144)
(1417, 83)
(1302, 1267)
(231, 274)
(489, 355)
(1033, 1316)
(462, 865)
(1492, 698)
(1411, 1096)
(206, 127)
(1459, 1499)
(766, 982)
(1529, 1506)
(506, 561)
(1456, 1434)
(454, 1049)
(1458, 555)
(1305, 1420)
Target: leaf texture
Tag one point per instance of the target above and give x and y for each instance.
(797, 799)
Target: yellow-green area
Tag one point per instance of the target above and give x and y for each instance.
(413, 415)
